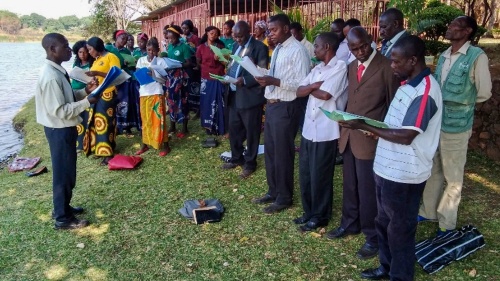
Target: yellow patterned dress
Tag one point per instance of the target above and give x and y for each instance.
(97, 135)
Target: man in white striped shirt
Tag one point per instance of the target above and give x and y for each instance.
(290, 64)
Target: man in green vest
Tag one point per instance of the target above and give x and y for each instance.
(462, 71)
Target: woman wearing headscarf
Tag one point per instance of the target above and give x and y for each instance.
(260, 31)
(177, 80)
(97, 135)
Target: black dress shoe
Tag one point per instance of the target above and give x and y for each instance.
(264, 199)
(300, 220)
(229, 166)
(275, 208)
(375, 274)
(73, 224)
(75, 210)
(246, 173)
(311, 225)
(367, 252)
(337, 233)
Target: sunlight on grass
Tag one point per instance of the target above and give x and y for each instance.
(99, 214)
(44, 217)
(56, 272)
(96, 274)
(482, 180)
(95, 232)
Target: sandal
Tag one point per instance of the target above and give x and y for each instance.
(37, 172)
(164, 153)
(142, 150)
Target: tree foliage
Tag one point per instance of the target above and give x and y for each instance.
(9, 22)
(69, 22)
(121, 11)
(432, 22)
(33, 20)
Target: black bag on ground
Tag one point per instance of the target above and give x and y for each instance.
(435, 253)
(201, 211)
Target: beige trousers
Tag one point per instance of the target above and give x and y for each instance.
(440, 201)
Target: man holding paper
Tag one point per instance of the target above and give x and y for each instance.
(372, 86)
(290, 64)
(326, 88)
(58, 109)
(246, 99)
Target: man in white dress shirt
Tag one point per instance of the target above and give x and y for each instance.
(298, 32)
(290, 64)
(337, 27)
(326, 87)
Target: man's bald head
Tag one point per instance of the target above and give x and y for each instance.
(241, 32)
(52, 39)
(358, 34)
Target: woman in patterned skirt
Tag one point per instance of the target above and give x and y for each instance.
(98, 134)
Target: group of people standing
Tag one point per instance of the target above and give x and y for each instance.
(386, 170)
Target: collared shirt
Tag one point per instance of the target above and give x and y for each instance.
(351, 57)
(291, 66)
(416, 106)
(55, 100)
(393, 41)
(343, 51)
(309, 46)
(317, 127)
(479, 74)
(368, 61)
(238, 66)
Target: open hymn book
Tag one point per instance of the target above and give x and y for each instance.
(338, 115)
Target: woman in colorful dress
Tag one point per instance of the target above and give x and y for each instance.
(98, 134)
(153, 109)
(212, 90)
(193, 87)
(177, 80)
(84, 61)
(127, 110)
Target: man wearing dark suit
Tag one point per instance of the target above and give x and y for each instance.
(246, 99)
(372, 86)
(392, 29)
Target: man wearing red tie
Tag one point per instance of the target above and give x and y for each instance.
(372, 86)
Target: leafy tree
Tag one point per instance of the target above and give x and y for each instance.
(120, 11)
(101, 23)
(9, 22)
(33, 20)
(69, 22)
(53, 25)
(434, 20)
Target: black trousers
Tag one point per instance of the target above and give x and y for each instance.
(245, 124)
(280, 128)
(359, 203)
(316, 167)
(62, 144)
(396, 224)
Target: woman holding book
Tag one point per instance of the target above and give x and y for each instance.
(97, 135)
(211, 90)
(152, 102)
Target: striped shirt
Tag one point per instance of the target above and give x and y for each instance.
(292, 65)
(417, 106)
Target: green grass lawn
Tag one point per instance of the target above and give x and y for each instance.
(137, 233)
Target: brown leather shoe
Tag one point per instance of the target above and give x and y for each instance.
(246, 173)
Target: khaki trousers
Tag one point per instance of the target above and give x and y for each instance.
(440, 201)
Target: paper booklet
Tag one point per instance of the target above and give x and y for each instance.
(170, 64)
(220, 52)
(338, 115)
(115, 76)
(248, 65)
(78, 74)
(129, 59)
(224, 79)
(142, 76)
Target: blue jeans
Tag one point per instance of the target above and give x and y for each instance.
(396, 224)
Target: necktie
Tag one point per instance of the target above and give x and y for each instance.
(67, 79)
(361, 68)
(385, 47)
(234, 67)
(273, 64)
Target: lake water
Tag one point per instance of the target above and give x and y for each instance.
(20, 65)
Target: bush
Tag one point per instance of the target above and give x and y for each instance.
(433, 21)
(434, 47)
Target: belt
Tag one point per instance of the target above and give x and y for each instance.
(271, 101)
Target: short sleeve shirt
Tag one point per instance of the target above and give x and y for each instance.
(180, 52)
